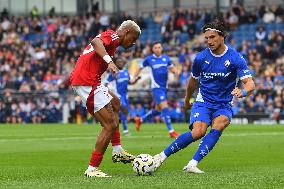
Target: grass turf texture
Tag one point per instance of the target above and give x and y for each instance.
(55, 156)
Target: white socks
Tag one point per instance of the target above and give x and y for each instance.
(193, 162)
(91, 168)
(163, 156)
(117, 149)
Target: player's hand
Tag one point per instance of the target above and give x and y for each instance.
(237, 92)
(187, 104)
(112, 68)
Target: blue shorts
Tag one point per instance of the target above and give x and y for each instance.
(205, 114)
(159, 95)
(124, 101)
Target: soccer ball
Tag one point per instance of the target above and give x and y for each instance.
(143, 165)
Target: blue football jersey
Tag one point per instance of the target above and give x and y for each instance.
(218, 76)
(159, 67)
(121, 82)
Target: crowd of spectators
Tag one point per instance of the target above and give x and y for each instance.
(38, 52)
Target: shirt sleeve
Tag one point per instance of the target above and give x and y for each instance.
(196, 71)
(145, 63)
(108, 37)
(242, 69)
(110, 78)
(170, 62)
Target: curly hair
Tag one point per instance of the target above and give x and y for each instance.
(217, 25)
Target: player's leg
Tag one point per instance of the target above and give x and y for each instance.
(139, 120)
(163, 106)
(199, 121)
(221, 119)
(106, 118)
(123, 118)
(118, 153)
(123, 113)
(151, 113)
(97, 101)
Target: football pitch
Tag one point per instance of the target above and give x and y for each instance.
(55, 156)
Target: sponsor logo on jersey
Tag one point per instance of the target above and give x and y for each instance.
(210, 75)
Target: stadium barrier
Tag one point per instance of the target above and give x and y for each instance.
(67, 101)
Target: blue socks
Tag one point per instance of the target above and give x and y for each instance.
(167, 118)
(179, 143)
(207, 144)
(123, 120)
(150, 114)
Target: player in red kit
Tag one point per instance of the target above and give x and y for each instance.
(102, 104)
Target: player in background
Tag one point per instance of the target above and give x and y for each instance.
(85, 79)
(122, 80)
(216, 69)
(159, 64)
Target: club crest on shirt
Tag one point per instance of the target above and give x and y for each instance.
(196, 115)
(227, 63)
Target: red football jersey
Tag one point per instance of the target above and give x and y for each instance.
(90, 66)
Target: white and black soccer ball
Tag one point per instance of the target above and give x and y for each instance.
(143, 164)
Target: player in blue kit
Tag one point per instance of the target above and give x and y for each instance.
(217, 70)
(159, 64)
(122, 79)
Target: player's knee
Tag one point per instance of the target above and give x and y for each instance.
(110, 124)
(221, 123)
(116, 105)
(198, 132)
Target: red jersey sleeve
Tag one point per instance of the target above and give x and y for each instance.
(109, 37)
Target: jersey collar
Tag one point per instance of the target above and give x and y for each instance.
(219, 55)
(157, 56)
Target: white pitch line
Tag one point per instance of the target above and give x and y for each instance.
(132, 137)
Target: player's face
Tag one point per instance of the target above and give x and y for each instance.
(129, 39)
(157, 49)
(119, 63)
(213, 40)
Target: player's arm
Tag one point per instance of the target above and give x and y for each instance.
(191, 86)
(174, 70)
(193, 82)
(246, 77)
(132, 82)
(109, 79)
(171, 67)
(137, 73)
(144, 64)
(98, 46)
(248, 88)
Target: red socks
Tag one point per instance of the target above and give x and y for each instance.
(115, 138)
(96, 159)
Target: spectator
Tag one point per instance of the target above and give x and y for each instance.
(34, 11)
(268, 16)
(260, 33)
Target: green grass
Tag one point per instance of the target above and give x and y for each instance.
(55, 156)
